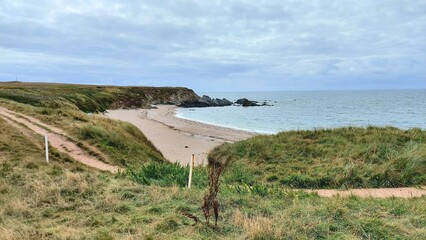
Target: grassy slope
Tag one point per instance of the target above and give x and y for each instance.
(344, 157)
(64, 200)
(122, 142)
(64, 106)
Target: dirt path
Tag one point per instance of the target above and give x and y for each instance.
(57, 139)
(406, 192)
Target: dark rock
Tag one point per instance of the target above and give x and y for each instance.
(247, 103)
(206, 98)
(221, 102)
(206, 101)
(192, 104)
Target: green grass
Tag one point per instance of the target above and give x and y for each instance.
(122, 141)
(167, 175)
(339, 158)
(66, 200)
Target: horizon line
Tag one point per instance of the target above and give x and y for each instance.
(207, 91)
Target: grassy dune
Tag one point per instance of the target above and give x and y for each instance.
(339, 158)
(65, 200)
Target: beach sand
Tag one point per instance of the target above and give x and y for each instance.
(178, 138)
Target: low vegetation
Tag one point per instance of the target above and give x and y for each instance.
(65, 200)
(339, 158)
(172, 174)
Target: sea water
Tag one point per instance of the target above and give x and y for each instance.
(294, 110)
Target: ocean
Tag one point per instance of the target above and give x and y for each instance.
(295, 110)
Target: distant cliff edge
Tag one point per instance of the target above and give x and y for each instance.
(93, 98)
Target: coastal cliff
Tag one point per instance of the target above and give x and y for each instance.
(144, 97)
(92, 98)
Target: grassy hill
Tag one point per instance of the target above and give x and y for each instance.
(339, 158)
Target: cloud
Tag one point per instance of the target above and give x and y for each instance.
(217, 45)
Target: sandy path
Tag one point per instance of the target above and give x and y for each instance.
(57, 139)
(177, 138)
(406, 192)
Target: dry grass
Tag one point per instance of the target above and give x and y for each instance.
(257, 227)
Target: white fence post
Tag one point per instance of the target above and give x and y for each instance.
(46, 141)
(191, 166)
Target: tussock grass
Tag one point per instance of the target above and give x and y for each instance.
(338, 158)
(123, 142)
(167, 175)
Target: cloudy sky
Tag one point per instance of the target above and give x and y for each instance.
(217, 45)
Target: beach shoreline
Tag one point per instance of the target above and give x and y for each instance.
(256, 132)
(178, 138)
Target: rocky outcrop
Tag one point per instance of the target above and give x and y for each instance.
(247, 103)
(206, 101)
(193, 104)
(144, 97)
(216, 102)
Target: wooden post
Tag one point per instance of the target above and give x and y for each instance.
(46, 141)
(191, 166)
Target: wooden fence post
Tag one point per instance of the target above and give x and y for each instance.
(191, 166)
(46, 142)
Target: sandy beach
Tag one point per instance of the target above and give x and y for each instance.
(178, 138)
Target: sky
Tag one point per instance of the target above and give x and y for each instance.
(217, 45)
